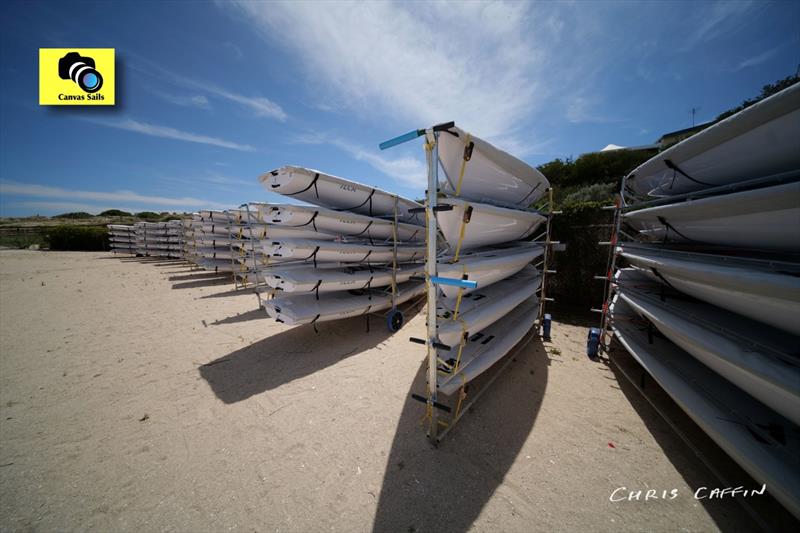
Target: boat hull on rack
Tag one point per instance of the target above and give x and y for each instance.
(728, 415)
(479, 309)
(487, 266)
(273, 231)
(767, 292)
(484, 224)
(337, 193)
(758, 141)
(489, 174)
(761, 219)
(307, 308)
(331, 251)
(309, 278)
(758, 359)
(337, 222)
(485, 348)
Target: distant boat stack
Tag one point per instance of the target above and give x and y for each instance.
(709, 303)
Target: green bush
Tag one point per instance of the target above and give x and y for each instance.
(148, 215)
(77, 215)
(78, 238)
(597, 192)
(21, 238)
(114, 213)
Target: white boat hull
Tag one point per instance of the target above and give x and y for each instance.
(728, 415)
(758, 141)
(323, 189)
(485, 224)
(341, 223)
(757, 359)
(760, 219)
(331, 251)
(487, 266)
(490, 174)
(485, 348)
(481, 308)
(750, 288)
(309, 279)
(307, 308)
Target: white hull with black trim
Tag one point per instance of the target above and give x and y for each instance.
(761, 140)
(760, 360)
(478, 309)
(766, 291)
(308, 308)
(262, 230)
(309, 278)
(764, 443)
(337, 193)
(470, 225)
(483, 349)
(487, 266)
(345, 252)
(303, 217)
(489, 174)
(760, 219)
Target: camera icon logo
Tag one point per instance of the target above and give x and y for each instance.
(81, 70)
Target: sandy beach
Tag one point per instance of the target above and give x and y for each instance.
(139, 395)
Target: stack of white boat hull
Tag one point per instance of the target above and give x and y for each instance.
(340, 257)
(488, 230)
(122, 238)
(160, 239)
(709, 305)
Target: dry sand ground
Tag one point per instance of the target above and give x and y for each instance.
(141, 396)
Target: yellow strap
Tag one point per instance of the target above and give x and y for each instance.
(460, 294)
(467, 140)
(460, 346)
(461, 395)
(461, 233)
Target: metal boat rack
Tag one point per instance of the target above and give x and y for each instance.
(442, 418)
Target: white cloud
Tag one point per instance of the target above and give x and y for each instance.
(199, 100)
(262, 106)
(9, 188)
(475, 63)
(411, 172)
(167, 132)
(757, 60)
(715, 19)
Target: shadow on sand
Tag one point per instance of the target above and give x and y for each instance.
(728, 514)
(255, 314)
(204, 282)
(445, 488)
(291, 355)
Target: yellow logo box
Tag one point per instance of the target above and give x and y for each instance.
(76, 76)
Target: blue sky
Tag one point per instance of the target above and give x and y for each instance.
(211, 95)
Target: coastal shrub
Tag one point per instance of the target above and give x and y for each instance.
(21, 238)
(148, 215)
(114, 213)
(78, 238)
(597, 192)
(76, 215)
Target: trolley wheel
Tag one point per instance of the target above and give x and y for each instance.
(394, 320)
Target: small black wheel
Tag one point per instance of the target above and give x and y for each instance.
(394, 320)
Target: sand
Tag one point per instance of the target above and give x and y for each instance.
(138, 395)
